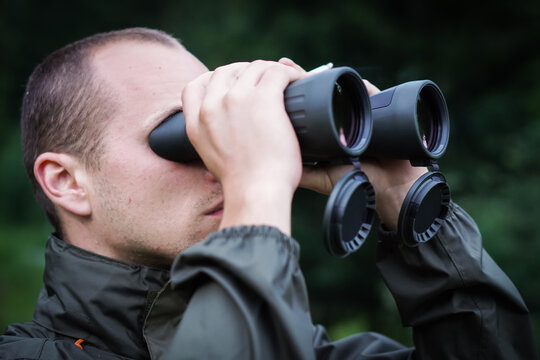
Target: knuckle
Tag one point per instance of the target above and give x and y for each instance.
(208, 110)
(259, 62)
(235, 96)
(276, 69)
(187, 91)
(217, 72)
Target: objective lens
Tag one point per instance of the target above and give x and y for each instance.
(346, 115)
(428, 119)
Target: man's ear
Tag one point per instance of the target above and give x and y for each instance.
(63, 179)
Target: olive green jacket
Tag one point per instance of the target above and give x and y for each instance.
(248, 300)
(240, 294)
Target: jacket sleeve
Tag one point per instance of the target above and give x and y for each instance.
(458, 301)
(248, 298)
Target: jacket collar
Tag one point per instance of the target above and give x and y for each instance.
(100, 300)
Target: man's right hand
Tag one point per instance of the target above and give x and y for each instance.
(236, 120)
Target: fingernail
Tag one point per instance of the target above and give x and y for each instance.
(322, 68)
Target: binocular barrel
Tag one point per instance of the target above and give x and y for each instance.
(335, 119)
(330, 113)
(170, 140)
(410, 121)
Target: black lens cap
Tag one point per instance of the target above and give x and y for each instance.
(349, 214)
(424, 209)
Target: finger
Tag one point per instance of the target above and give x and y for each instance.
(193, 94)
(222, 79)
(192, 100)
(371, 89)
(252, 74)
(279, 76)
(323, 178)
(315, 179)
(273, 75)
(288, 62)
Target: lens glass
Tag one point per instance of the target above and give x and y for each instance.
(427, 118)
(345, 114)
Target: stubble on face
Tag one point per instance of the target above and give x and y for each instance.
(154, 245)
(146, 210)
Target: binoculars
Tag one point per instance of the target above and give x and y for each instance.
(336, 121)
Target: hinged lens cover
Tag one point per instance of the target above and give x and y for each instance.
(424, 209)
(349, 214)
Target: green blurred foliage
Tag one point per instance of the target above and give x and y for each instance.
(484, 56)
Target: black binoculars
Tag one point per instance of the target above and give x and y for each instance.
(336, 120)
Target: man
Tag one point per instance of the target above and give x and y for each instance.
(123, 215)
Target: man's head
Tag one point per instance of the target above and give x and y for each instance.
(87, 114)
(65, 106)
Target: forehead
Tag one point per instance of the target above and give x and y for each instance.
(146, 78)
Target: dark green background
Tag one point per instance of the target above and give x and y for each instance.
(484, 55)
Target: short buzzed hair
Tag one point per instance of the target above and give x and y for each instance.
(65, 106)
